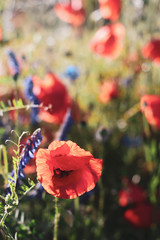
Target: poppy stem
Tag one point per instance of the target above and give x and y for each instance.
(76, 204)
(132, 111)
(56, 219)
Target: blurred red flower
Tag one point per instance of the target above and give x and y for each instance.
(142, 215)
(150, 106)
(30, 168)
(51, 91)
(67, 171)
(152, 50)
(131, 194)
(108, 91)
(108, 40)
(72, 13)
(110, 9)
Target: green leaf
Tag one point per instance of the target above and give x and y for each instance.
(16, 152)
(4, 163)
(14, 102)
(2, 105)
(12, 178)
(15, 160)
(31, 183)
(153, 188)
(20, 103)
(24, 188)
(5, 159)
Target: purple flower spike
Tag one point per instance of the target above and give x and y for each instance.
(30, 147)
(66, 126)
(13, 65)
(32, 98)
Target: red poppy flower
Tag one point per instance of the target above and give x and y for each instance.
(71, 13)
(108, 90)
(131, 194)
(152, 50)
(108, 40)
(110, 9)
(150, 106)
(141, 216)
(51, 91)
(67, 171)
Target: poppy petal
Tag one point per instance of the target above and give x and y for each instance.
(108, 40)
(152, 50)
(110, 9)
(70, 15)
(44, 166)
(150, 106)
(69, 156)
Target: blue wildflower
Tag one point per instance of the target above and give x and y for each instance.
(72, 72)
(13, 65)
(126, 82)
(30, 147)
(32, 98)
(66, 126)
(128, 142)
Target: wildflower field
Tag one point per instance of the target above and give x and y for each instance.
(80, 119)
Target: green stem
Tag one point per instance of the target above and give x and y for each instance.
(4, 217)
(76, 205)
(56, 219)
(26, 107)
(6, 234)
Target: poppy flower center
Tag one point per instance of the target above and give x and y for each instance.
(144, 104)
(59, 173)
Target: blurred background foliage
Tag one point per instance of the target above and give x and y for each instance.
(43, 43)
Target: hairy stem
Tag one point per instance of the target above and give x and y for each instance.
(56, 219)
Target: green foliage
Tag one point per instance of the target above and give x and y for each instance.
(11, 200)
(16, 105)
(101, 217)
(4, 163)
